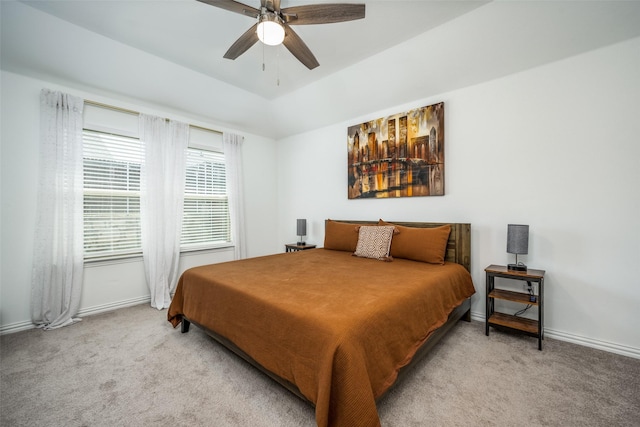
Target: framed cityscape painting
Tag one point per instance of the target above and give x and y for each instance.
(398, 156)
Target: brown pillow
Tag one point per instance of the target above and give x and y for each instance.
(340, 236)
(420, 244)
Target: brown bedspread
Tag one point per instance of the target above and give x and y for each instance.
(336, 326)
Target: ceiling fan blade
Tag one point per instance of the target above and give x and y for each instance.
(299, 49)
(241, 45)
(323, 13)
(233, 6)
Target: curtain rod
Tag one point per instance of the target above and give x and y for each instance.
(137, 113)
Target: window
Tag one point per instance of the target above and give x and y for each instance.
(112, 165)
(111, 194)
(205, 221)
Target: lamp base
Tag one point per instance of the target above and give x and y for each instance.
(301, 243)
(517, 267)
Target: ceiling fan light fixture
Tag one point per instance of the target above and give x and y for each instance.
(270, 30)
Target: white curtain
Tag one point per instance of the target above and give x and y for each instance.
(56, 280)
(233, 164)
(161, 199)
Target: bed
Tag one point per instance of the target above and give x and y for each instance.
(337, 330)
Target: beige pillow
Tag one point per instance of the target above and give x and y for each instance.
(420, 244)
(340, 236)
(374, 242)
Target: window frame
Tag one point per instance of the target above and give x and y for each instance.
(122, 254)
(137, 253)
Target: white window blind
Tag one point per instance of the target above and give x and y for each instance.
(206, 207)
(111, 194)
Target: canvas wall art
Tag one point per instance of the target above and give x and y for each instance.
(398, 156)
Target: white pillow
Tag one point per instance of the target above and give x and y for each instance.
(374, 242)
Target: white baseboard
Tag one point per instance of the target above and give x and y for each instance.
(113, 306)
(16, 327)
(589, 342)
(26, 325)
(580, 340)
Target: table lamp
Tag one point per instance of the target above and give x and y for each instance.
(517, 243)
(301, 230)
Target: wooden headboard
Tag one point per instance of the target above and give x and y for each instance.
(458, 246)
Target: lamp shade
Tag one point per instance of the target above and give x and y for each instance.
(270, 31)
(517, 239)
(301, 227)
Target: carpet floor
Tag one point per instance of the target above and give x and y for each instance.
(129, 367)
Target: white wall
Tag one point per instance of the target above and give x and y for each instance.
(112, 284)
(555, 147)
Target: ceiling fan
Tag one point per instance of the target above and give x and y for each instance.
(273, 24)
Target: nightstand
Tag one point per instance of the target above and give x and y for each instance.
(294, 247)
(534, 328)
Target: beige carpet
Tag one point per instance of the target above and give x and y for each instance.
(130, 368)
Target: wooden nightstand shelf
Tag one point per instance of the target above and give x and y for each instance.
(294, 247)
(534, 328)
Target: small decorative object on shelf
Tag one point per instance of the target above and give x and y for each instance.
(517, 243)
(295, 247)
(514, 322)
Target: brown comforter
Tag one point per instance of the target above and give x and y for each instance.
(336, 326)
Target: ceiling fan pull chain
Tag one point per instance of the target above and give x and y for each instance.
(262, 56)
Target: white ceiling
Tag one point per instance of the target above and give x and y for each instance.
(403, 51)
(197, 35)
